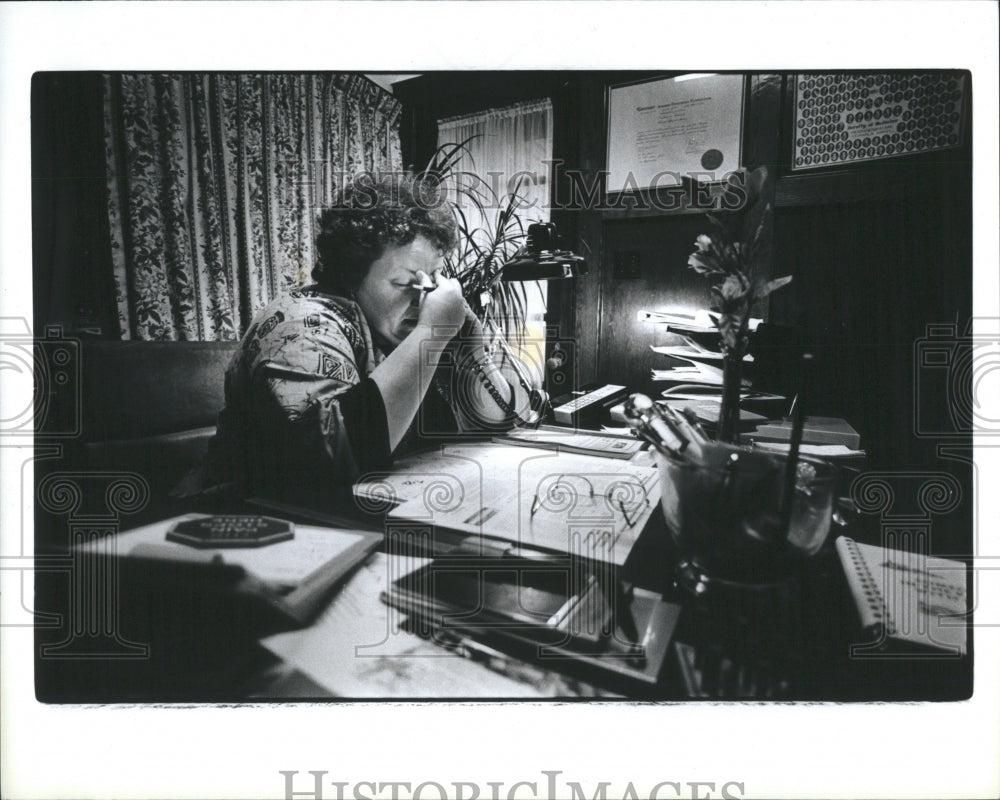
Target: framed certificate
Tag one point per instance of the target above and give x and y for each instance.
(659, 131)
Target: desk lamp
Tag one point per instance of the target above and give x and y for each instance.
(538, 260)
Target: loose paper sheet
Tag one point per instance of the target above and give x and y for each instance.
(563, 502)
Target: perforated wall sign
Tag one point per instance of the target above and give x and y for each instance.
(845, 119)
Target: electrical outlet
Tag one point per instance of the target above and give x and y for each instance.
(626, 265)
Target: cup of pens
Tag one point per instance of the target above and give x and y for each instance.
(737, 515)
(731, 519)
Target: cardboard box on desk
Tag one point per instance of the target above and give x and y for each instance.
(815, 430)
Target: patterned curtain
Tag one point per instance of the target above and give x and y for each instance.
(214, 182)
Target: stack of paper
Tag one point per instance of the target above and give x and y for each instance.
(692, 371)
(815, 430)
(691, 349)
(702, 319)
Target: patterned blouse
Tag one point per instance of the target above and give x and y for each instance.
(301, 410)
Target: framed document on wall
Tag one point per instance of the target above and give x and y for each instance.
(661, 130)
(851, 118)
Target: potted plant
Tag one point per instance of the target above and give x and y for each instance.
(729, 256)
(488, 238)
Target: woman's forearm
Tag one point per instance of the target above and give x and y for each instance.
(403, 378)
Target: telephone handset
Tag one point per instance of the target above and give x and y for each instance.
(485, 370)
(588, 404)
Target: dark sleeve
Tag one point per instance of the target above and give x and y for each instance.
(366, 426)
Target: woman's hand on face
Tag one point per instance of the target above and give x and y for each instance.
(443, 309)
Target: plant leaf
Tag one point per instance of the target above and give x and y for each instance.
(764, 289)
(704, 264)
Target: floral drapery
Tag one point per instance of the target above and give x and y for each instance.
(214, 182)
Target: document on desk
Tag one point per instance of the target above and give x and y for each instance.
(416, 475)
(535, 499)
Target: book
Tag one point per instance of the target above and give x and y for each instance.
(908, 603)
(707, 411)
(281, 584)
(829, 451)
(815, 430)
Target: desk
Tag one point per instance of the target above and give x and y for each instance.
(359, 648)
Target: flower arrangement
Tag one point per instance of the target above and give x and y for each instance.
(728, 257)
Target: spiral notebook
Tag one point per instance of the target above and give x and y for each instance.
(908, 602)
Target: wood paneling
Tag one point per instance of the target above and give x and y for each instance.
(663, 247)
(878, 252)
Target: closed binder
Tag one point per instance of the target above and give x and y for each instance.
(908, 603)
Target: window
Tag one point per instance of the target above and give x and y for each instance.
(510, 148)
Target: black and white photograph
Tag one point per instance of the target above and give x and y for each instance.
(423, 423)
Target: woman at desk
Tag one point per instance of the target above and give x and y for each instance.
(333, 379)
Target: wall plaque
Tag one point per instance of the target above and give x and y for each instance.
(845, 118)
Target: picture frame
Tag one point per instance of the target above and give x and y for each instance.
(853, 118)
(663, 131)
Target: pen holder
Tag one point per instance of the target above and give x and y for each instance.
(724, 512)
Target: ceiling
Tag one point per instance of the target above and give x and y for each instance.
(386, 79)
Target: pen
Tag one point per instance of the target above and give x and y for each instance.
(639, 650)
(686, 429)
(798, 420)
(558, 618)
(791, 408)
(650, 423)
(483, 545)
(423, 285)
(423, 282)
(692, 418)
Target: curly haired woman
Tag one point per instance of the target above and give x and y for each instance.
(379, 355)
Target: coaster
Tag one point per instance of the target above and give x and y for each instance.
(231, 530)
